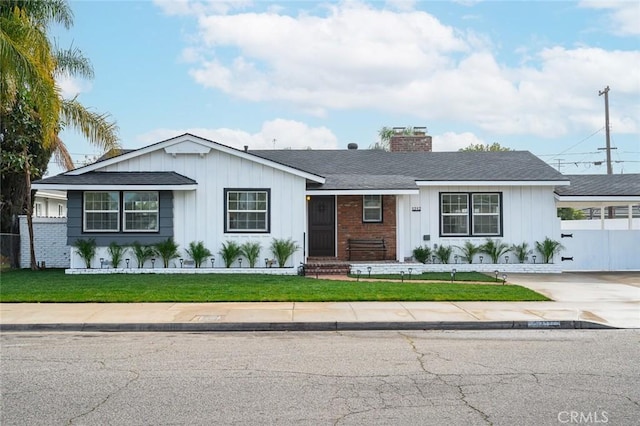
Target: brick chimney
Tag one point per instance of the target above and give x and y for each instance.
(410, 140)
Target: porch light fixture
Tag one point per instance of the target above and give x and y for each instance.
(369, 271)
(504, 278)
(101, 262)
(127, 260)
(497, 273)
(239, 262)
(410, 270)
(481, 257)
(534, 258)
(181, 262)
(308, 197)
(453, 274)
(213, 259)
(506, 259)
(402, 276)
(153, 262)
(358, 272)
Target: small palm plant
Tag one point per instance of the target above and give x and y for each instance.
(117, 252)
(548, 248)
(283, 249)
(198, 252)
(521, 251)
(167, 250)
(422, 253)
(142, 253)
(469, 251)
(251, 251)
(443, 253)
(494, 249)
(230, 252)
(86, 250)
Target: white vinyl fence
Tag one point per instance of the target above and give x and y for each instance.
(601, 250)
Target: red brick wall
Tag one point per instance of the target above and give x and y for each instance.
(350, 225)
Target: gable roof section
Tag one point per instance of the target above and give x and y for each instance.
(601, 188)
(368, 169)
(203, 145)
(118, 180)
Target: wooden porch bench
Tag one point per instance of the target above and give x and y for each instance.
(371, 245)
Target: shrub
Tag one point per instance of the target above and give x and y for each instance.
(142, 253)
(230, 252)
(443, 253)
(469, 250)
(521, 251)
(198, 252)
(117, 252)
(548, 248)
(167, 250)
(251, 251)
(86, 250)
(422, 254)
(494, 249)
(283, 249)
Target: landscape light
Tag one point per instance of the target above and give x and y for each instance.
(181, 262)
(410, 270)
(239, 261)
(402, 276)
(127, 260)
(481, 257)
(506, 259)
(369, 271)
(153, 262)
(101, 262)
(497, 273)
(534, 258)
(213, 259)
(504, 278)
(358, 272)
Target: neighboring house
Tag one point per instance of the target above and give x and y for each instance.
(193, 189)
(50, 203)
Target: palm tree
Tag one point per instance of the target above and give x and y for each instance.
(30, 63)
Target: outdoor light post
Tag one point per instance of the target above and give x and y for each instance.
(402, 276)
(455, 258)
(213, 260)
(534, 259)
(504, 278)
(369, 271)
(239, 261)
(481, 257)
(433, 259)
(497, 273)
(453, 274)
(153, 262)
(266, 261)
(506, 259)
(358, 272)
(101, 262)
(181, 262)
(410, 270)
(127, 260)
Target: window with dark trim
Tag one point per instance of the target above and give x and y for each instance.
(103, 210)
(470, 214)
(372, 208)
(247, 210)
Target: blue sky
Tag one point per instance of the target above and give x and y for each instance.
(323, 74)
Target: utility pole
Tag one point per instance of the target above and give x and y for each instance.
(608, 148)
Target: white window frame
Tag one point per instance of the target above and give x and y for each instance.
(37, 210)
(60, 210)
(126, 212)
(464, 214)
(266, 211)
(85, 228)
(366, 208)
(479, 214)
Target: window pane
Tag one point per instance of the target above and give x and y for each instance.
(372, 215)
(101, 211)
(454, 225)
(454, 203)
(484, 225)
(141, 211)
(102, 221)
(247, 210)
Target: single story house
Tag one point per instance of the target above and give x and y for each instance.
(193, 189)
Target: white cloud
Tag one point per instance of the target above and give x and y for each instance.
(357, 56)
(450, 141)
(71, 87)
(286, 133)
(624, 16)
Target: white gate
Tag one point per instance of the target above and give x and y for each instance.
(600, 250)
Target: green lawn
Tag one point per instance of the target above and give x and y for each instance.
(431, 276)
(55, 286)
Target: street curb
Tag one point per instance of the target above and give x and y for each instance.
(308, 326)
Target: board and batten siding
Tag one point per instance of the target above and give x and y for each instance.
(528, 215)
(199, 215)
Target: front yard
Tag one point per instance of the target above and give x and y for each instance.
(55, 286)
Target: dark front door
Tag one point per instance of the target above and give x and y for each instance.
(322, 226)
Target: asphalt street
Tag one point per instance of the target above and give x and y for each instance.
(517, 377)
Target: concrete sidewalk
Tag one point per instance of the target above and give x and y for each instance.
(580, 300)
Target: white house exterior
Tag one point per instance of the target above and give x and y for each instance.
(50, 203)
(190, 189)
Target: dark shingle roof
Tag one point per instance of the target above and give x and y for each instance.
(119, 178)
(361, 169)
(601, 185)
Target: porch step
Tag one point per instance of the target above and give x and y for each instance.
(333, 268)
